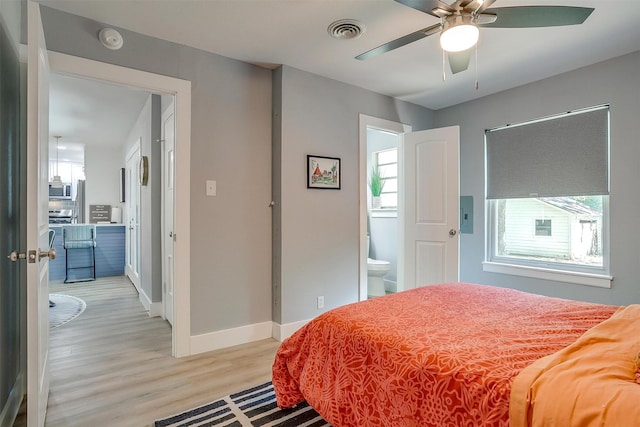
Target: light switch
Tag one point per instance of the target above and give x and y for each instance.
(211, 188)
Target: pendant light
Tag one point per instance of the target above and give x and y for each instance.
(57, 182)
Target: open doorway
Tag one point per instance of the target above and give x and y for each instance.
(427, 176)
(179, 90)
(381, 152)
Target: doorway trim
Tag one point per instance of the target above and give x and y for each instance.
(181, 90)
(131, 162)
(365, 122)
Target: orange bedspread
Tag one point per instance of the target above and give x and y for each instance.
(441, 355)
(589, 383)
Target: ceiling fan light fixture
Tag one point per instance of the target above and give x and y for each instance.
(459, 33)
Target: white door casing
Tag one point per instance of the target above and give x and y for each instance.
(168, 162)
(37, 219)
(132, 221)
(369, 122)
(181, 90)
(431, 199)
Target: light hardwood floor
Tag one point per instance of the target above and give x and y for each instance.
(112, 365)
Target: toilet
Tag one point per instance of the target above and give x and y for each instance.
(376, 270)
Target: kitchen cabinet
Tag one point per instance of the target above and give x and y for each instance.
(110, 253)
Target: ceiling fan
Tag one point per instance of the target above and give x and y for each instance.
(461, 20)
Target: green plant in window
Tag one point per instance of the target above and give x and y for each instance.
(376, 182)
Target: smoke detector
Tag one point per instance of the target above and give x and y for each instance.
(346, 29)
(110, 38)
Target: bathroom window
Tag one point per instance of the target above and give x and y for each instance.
(387, 163)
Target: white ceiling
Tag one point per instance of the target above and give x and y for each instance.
(87, 112)
(294, 32)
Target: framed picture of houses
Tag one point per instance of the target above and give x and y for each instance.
(323, 172)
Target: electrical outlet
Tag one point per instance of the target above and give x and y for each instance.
(211, 188)
(320, 302)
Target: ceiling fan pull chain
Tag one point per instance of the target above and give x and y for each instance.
(444, 75)
(476, 66)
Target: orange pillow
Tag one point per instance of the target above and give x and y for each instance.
(637, 375)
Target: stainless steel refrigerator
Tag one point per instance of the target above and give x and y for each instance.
(79, 204)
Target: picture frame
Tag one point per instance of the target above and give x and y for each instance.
(323, 172)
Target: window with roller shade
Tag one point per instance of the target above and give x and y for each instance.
(547, 191)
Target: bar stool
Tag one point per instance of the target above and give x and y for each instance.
(79, 237)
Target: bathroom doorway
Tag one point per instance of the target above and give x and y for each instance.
(380, 255)
(427, 213)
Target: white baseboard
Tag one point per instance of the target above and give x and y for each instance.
(282, 332)
(153, 308)
(230, 337)
(390, 286)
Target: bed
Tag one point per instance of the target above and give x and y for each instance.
(443, 355)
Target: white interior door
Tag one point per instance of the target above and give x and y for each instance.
(37, 220)
(132, 203)
(430, 198)
(168, 152)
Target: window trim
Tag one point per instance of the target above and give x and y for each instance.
(388, 212)
(572, 273)
(548, 270)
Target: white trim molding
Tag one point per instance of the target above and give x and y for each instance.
(597, 280)
(230, 337)
(282, 332)
(181, 89)
(154, 309)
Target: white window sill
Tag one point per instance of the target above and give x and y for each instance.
(579, 278)
(384, 213)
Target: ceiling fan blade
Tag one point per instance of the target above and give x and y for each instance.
(484, 5)
(409, 38)
(459, 61)
(537, 16)
(428, 6)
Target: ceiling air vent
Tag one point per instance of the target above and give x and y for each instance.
(345, 29)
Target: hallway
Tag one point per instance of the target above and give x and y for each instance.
(112, 365)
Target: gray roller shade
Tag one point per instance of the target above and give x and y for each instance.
(565, 155)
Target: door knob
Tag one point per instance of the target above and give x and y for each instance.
(15, 256)
(51, 253)
(452, 232)
(31, 256)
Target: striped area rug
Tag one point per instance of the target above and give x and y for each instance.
(254, 407)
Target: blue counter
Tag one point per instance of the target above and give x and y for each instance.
(110, 253)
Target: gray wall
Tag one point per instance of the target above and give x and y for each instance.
(614, 82)
(231, 143)
(147, 128)
(102, 167)
(317, 248)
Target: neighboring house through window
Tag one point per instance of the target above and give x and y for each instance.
(547, 189)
